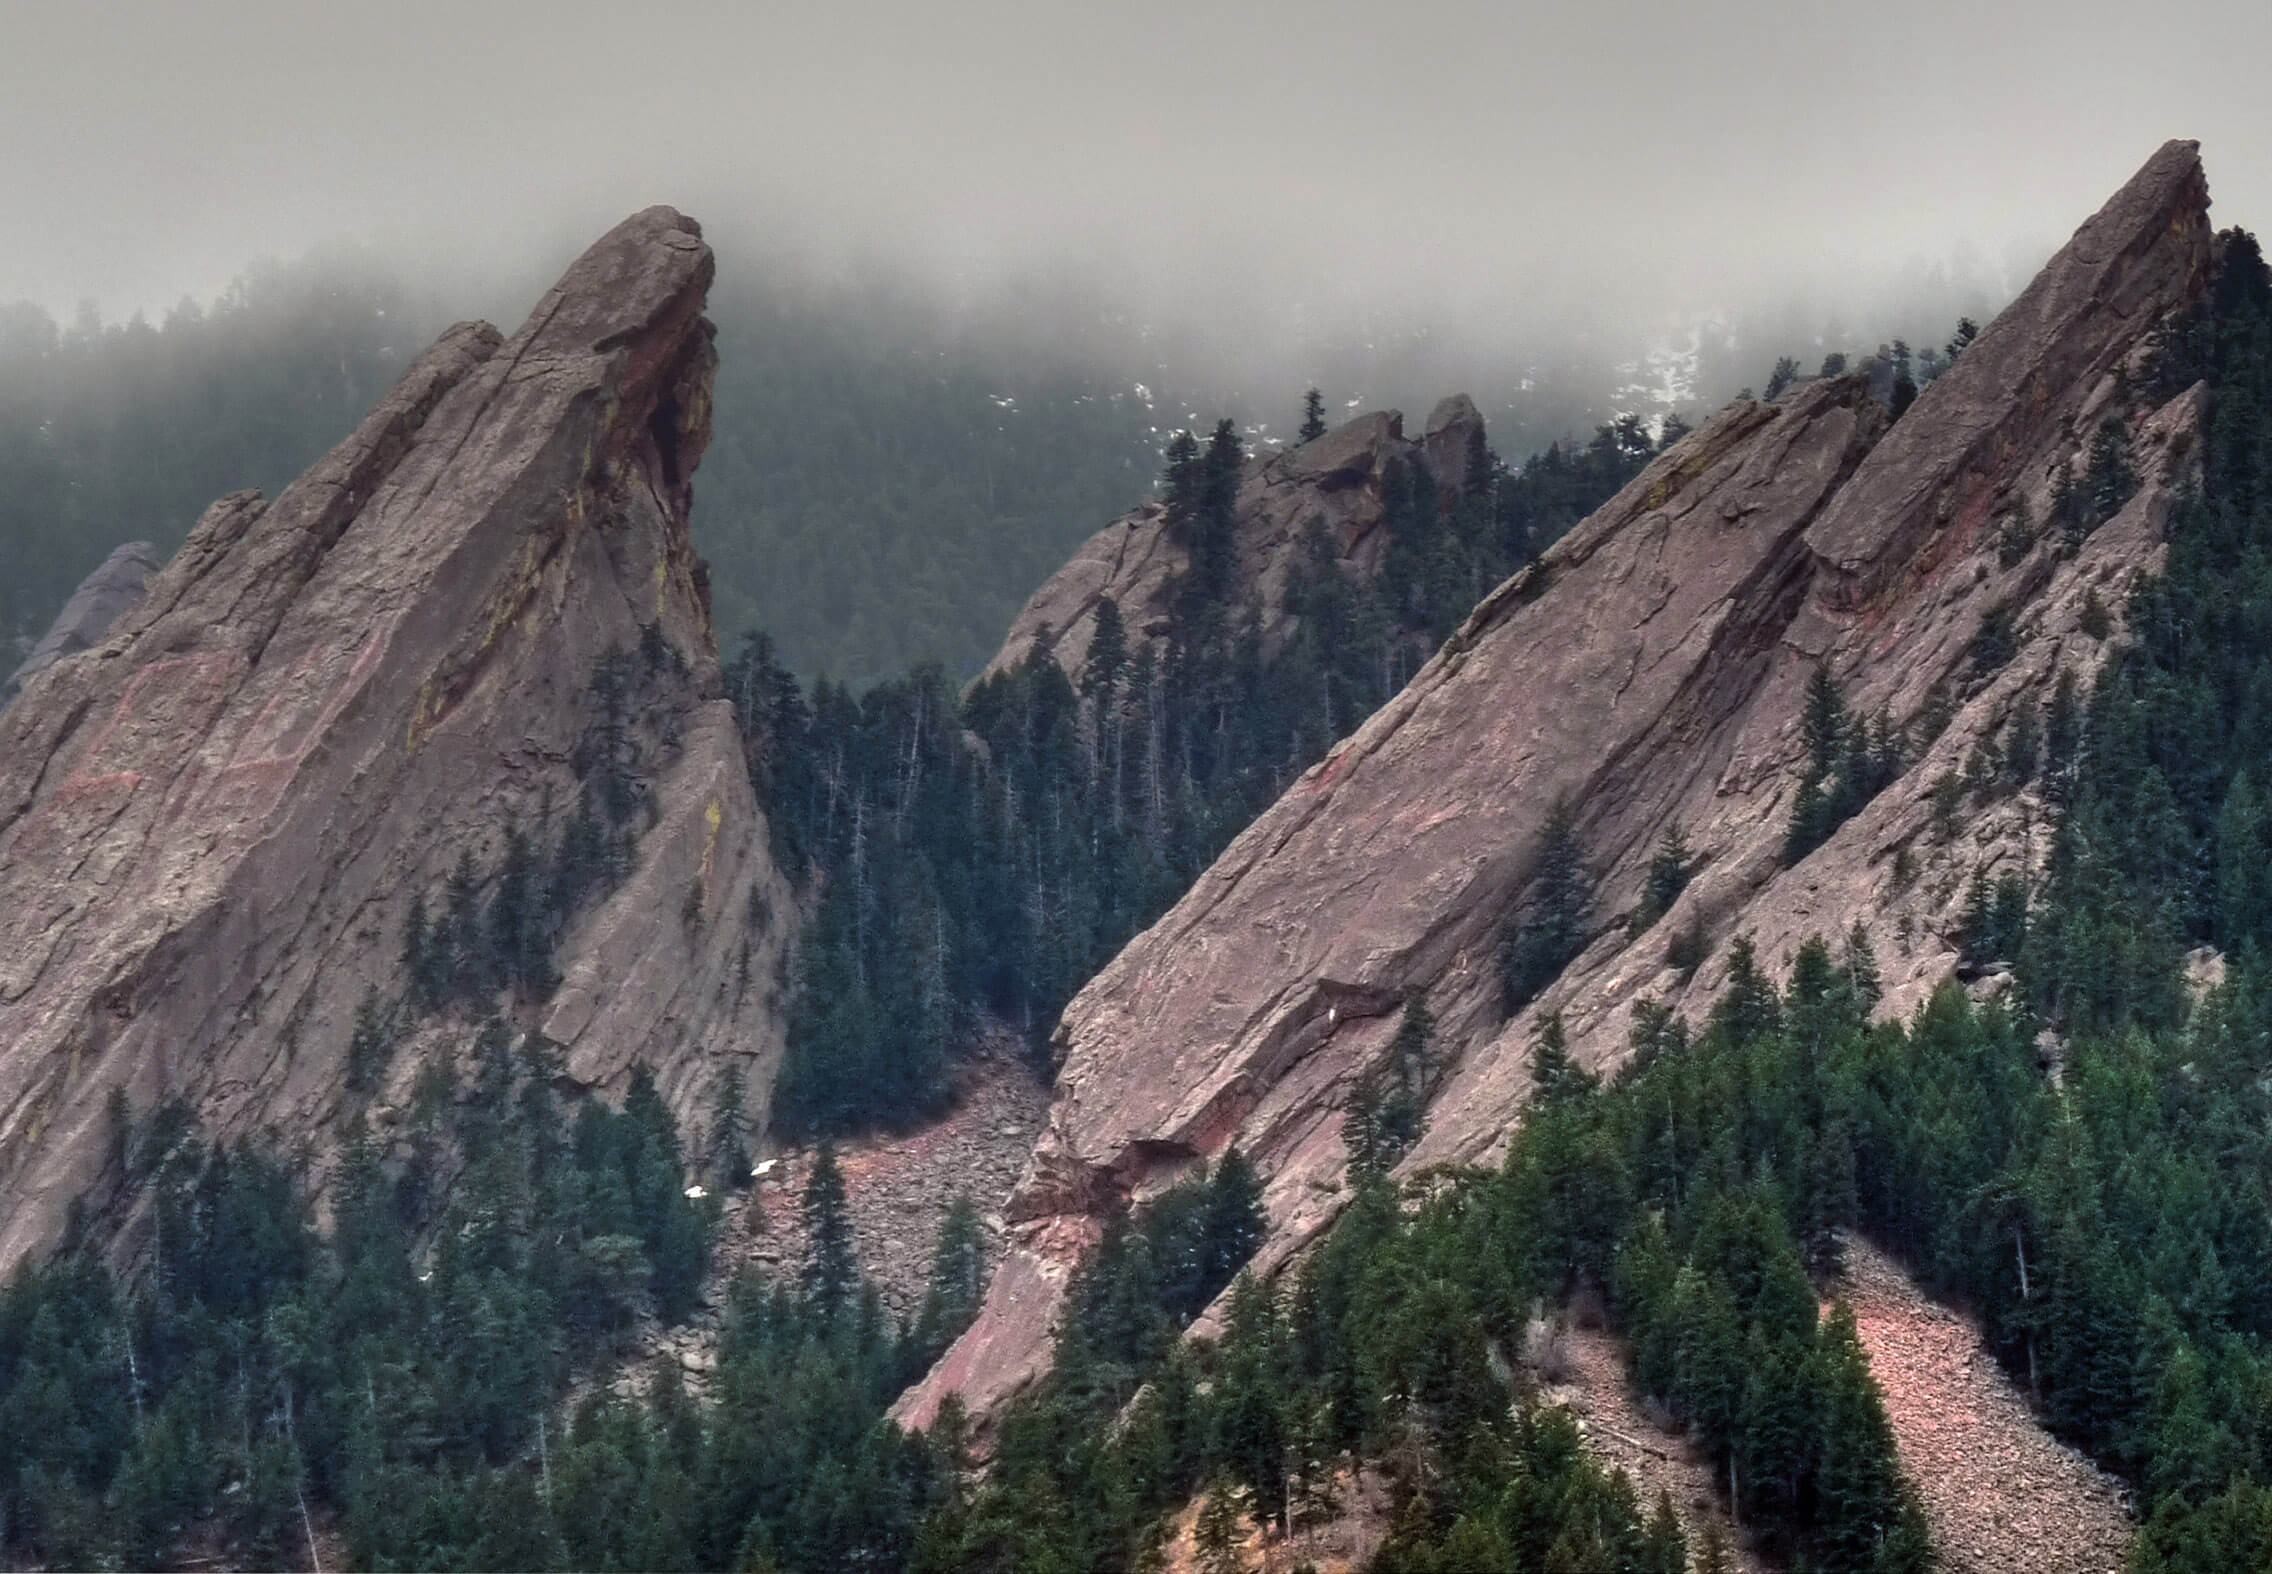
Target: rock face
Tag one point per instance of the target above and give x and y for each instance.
(214, 824)
(102, 598)
(1334, 481)
(1650, 669)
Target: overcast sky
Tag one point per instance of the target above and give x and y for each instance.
(1489, 156)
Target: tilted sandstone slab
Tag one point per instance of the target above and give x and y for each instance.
(1651, 668)
(1334, 481)
(213, 825)
(102, 598)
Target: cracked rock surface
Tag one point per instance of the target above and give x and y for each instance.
(1649, 669)
(213, 822)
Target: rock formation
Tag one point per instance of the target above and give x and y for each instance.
(102, 598)
(1649, 669)
(1334, 481)
(214, 825)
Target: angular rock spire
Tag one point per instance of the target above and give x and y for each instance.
(214, 824)
(1334, 481)
(102, 598)
(1649, 670)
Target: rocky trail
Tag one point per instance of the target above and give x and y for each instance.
(2001, 1493)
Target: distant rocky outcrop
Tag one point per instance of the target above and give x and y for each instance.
(1335, 481)
(476, 611)
(102, 598)
(1649, 670)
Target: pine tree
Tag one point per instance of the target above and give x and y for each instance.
(729, 1127)
(1220, 1532)
(464, 956)
(1861, 966)
(1183, 487)
(1252, 1432)
(1233, 1224)
(958, 1268)
(1904, 380)
(424, 961)
(1313, 416)
(1858, 1480)
(1664, 1547)
(1553, 928)
(2244, 867)
(371, 1044)
(2023, 744)
(1361, 1135)
(1668, 875)
(832, 1267)
(1554, 1076)
(2108, 479)
(1107, 658)
(1215, 551)
(2062, 734)
(1827, 731)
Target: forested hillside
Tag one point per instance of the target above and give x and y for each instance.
(2084, 1161)
(954, 879)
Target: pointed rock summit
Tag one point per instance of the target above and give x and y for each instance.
(1335, 483)
(1649, 671)
(474, 640)
(102, 598)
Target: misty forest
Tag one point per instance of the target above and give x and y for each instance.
(1527, 1202)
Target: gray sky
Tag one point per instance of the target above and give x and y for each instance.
(1491, 157)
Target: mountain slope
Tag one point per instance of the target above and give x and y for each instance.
(1651, 669)
(474, 633)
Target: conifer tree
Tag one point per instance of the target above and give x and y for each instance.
(1108, 656)
(832, 1269)
(2108, 480)
(958, 1266)
(1858, 1480)
(729, 1127)
(1554, 1076)
(1668, 875)
(1664, 1547)
(1221, 1530)
(1313, 416)
(1233, 1224)
(1215, 551)
(371, 1044)
(1183, 487)
(1362, 1137)
(1904, 380)
(1553, 928)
